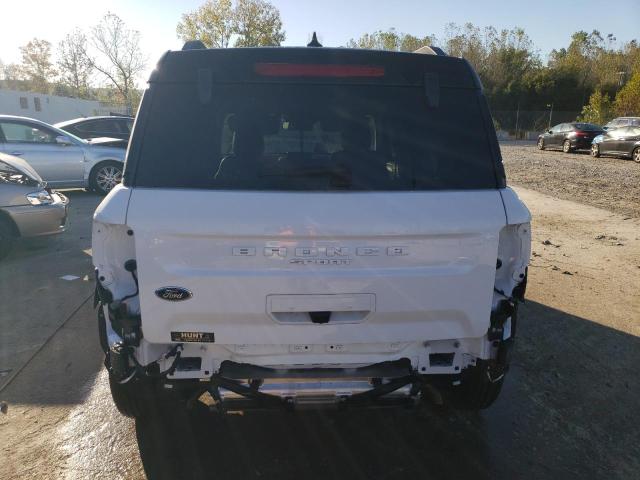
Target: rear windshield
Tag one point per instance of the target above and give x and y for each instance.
(587, 127)
(314, 137)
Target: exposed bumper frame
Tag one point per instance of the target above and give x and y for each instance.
(398, 375)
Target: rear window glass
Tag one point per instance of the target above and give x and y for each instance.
(587, 127)
(314, 137)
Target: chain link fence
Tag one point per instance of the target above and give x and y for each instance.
(528, 124)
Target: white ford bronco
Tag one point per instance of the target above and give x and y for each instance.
(310, 226)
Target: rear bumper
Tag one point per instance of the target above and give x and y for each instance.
(39, 220)
(244, 386)
(581, 143)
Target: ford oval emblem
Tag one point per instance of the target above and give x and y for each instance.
(173, 294)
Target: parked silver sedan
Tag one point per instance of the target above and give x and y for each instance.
(27, 207)
(60, 158)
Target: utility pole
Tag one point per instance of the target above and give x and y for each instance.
(550, 114)
(517, 118)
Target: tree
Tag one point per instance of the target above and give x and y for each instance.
(390, 40)
(36, 67)
(213, 23)
(73, 63)
(628, 98)
(12, 77)
(258, 24)
(254, 23)
(579, 59)
(122, 56)
(598, 110)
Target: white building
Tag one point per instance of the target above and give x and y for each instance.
(51, 108)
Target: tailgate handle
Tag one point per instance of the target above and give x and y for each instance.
(320, 317)
(321, 309)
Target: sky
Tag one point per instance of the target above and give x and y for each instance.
(549, 23)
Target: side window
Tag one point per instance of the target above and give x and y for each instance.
(567, 127)
(556, 128)
(109, 126)
(36, 104)
(24, 103)
(86, 127)
(26, 133)
(99, 127)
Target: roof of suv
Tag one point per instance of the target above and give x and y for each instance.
(243, 65)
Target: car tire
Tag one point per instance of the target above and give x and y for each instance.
(102, 330)
(7, 237)
(476, 391)
(541, 144)
(133, 399)
(105, 176)
(566, 146)
(595, 150)
(636, 155)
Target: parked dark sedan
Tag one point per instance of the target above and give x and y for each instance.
(98, 127)
(621, 142)
(569, 136)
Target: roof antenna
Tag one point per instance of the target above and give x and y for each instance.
(314, 41)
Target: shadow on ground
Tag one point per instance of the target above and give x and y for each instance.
(566, 411)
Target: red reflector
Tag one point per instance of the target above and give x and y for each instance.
(314, 70)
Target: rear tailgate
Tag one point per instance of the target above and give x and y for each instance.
(388, 266)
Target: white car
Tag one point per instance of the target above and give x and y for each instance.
(61, 159)
(324, 226)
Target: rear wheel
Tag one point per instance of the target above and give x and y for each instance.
(636, 155)
(595, 150)
(566, 146)
(132, 399)
(105, 176)
(478, 388)
(7, 237)
(541, 144)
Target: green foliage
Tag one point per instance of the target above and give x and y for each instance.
(598, 110)
(258, 24)
(628, 98)
(391, 40)
(254, 23)
(213, 23)
(514, 76)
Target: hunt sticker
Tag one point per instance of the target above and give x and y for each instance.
(197, 337)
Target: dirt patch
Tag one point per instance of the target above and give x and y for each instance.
(610, 183)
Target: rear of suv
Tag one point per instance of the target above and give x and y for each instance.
(322, 226)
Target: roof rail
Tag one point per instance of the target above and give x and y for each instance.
(193, 45)
(429, 50)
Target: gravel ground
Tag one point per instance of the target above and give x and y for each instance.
(610, 183)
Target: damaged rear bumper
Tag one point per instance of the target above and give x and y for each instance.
(240, 386)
